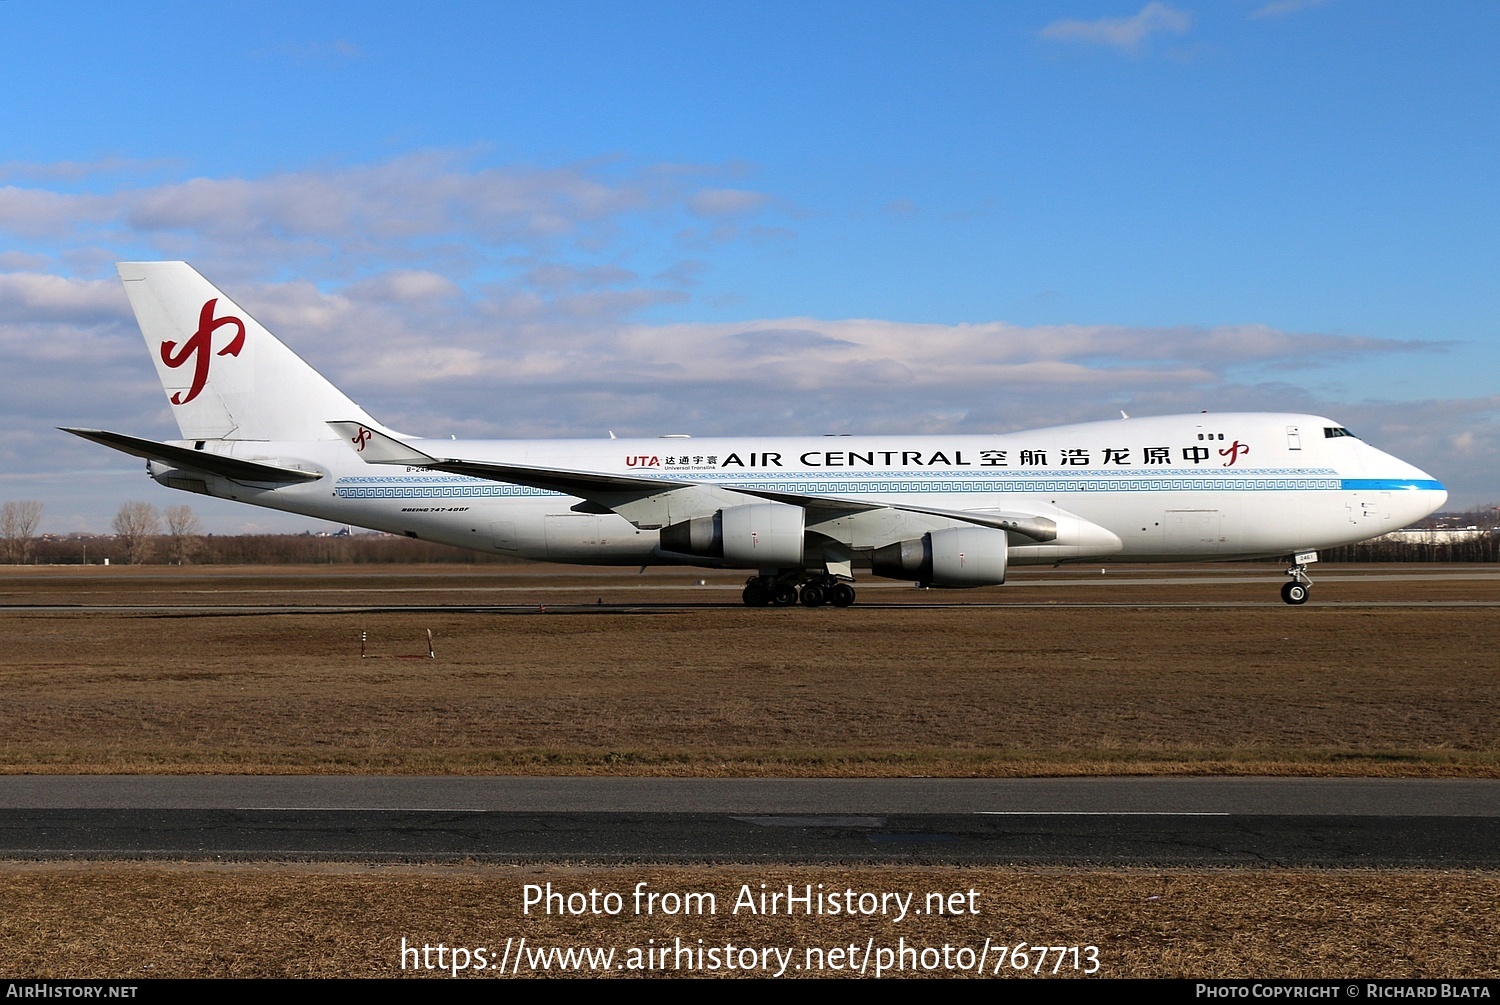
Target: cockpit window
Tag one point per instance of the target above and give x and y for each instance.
(1331, 431)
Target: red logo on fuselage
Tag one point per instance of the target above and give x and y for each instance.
(1233, 452)
(199, 346)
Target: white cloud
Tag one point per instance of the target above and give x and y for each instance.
(505, 302)
(725, 202)
(405, 285)
(76, 170)
(431, 359)
(21, 261)
(683, 273)
(30, 296)
(558, 276)
(533, 365)
(409, 198)
(1282, 8)
(429, 209)
(34, 212)
(1124, 33)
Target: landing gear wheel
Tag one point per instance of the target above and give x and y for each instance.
(842, 595)
(756, 594)
(1294, 593)
(783, 594)
(814, 595)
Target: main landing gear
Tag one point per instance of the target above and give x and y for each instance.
(784, 591)
(1297, 591)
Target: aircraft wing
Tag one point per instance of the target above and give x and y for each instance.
(198, 460)
(613, 492)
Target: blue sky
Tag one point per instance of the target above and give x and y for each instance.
(556, 219)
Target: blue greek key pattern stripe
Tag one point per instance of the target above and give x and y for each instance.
(862, 486)
(478, 490)
(1128, 474)
(432, 479)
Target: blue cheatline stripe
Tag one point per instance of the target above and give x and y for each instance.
(474, 491)
(1391, 484)
(408, 487)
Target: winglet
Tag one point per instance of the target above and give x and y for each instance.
(375, 447)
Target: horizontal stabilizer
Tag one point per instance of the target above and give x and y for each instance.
(198, 460)
(375, 447)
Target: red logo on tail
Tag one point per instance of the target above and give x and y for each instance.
(360, 439)
(199, 347)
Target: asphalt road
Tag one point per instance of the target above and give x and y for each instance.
(502, 590)
(1412, 823)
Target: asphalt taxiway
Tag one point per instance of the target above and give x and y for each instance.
(1291, 822)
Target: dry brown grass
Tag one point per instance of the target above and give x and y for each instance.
(1037, 687)
(164, 920)
(718, 689)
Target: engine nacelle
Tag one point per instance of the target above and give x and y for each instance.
(702, 536)
(176, 478)
(765, 535)
(957, 557)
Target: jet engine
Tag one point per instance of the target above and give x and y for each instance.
(957, 557)
(766, 535)
(177, 478)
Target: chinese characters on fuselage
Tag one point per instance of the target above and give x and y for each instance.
(1106, 457)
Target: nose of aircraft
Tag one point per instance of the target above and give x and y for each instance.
(1414, 493)
(1428, 499)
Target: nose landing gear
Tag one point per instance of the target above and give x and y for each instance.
(1297, 591)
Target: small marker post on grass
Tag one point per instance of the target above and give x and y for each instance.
(365, 654)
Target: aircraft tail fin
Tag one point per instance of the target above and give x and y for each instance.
(225, 375)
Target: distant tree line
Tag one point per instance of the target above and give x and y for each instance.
(1472, 536)
(251, 549)
(18, 523)
(142, 534)
(1481, 547)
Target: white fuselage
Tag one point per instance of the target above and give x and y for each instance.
(1170, 488)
